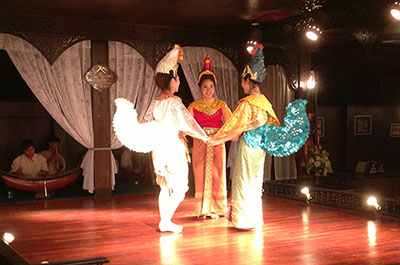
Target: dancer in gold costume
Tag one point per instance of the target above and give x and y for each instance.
(209, 162)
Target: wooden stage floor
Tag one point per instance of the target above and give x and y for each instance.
(124, 230)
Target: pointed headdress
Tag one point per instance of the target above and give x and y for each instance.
(256, 67)
(170, 61)
(207, 70)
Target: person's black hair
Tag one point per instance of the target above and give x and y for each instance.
(254, 83)
(26, 143)
(162, 80)
(205, 77)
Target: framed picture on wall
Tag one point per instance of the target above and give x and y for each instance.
(320, 126)
(363, 124)
(395, 130)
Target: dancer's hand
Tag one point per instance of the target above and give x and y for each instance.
(235, 139)
(215, 141)
(206, 139)
(182, 136)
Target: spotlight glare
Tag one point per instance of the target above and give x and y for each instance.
(373, 202)
(306, 192)
(395, 12)
(250, 48)
(8, 238)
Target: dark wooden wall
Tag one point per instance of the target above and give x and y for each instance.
(346, 148)
(334, 139)
(21, 120)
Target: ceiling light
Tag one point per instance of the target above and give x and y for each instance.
(255, 37)
(395, 10)
(313, 32)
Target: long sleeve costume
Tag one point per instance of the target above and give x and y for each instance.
(160, 136)
(246, 206)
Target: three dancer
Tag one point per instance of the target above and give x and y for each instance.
(253, 120)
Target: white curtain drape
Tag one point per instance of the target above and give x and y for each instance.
(62, 91)
(135, 79)
(135, 83)
(227, 75)
(277, 89)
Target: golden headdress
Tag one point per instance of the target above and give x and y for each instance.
(207, 70)
(256, 68)
(170, 61)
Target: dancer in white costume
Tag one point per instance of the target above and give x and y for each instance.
(163, 137)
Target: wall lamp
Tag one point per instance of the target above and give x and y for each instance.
(310, 84)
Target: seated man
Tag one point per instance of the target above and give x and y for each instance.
(136, 167)
(29, 164)
(55, 161)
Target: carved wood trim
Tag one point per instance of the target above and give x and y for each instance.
(52, 36)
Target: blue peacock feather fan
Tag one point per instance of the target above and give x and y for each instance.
(284, 140)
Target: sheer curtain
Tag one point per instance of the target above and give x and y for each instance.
(277, 89)
(227, 75)
(135, 79)
(135, 83)
(61, 89)
(64, 93)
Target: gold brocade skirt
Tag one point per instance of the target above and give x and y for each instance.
(209, 176)
(246, 202)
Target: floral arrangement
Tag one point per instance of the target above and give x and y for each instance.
(318, 162)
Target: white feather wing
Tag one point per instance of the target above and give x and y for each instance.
(139, 137)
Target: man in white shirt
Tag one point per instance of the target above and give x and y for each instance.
(137, 167)
(55, 161)
(29, 164)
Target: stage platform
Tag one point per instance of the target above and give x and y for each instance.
(349, 191)
(123, 229)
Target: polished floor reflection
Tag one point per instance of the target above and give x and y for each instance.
(124, 229)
